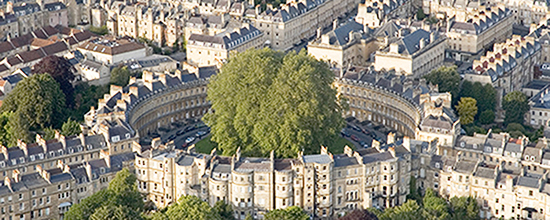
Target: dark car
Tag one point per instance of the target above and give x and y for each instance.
(344, 133)
(363, 144)
(180, 132)
(355, 138)
(171, 137)
(189, 128)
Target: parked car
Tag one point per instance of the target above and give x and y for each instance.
(355, 138)
(344, 132)
(189, 139)
(200, 134)
(189, 128)
(363, 144)
(180, 132)
(171, 137)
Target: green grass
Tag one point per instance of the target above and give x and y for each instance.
(205, 145)
(339, 144)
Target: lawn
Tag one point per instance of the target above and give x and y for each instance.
(338, 146)
(206, 145)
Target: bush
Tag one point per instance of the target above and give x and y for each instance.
(515, 127)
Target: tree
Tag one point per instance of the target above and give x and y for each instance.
(447, 79)
(290, 213)
(263, 100)
(464, 208)
(224, 210)
(414, 194)
(115, 213)
(485, 95)
(516, 105)
(120, 200)
(62, 71)
(467, 110)
(120, 76)
(124, 190)
(88, 206)
(189, 208)
(5, 137)
(434, 207)
(487, 117)
(359, 214)
(420, 15)
(70, 128)
(103, 30)
(37, 102)
(19, 128)
(408, 211)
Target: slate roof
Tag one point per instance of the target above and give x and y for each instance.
(227, 40)
(110, 47)
(317, 158)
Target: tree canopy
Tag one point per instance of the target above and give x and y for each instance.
(290, 213)
(447, 79)
(120, 76)
(188, 208)
(62, 71)
(516, 105)
(119, 201)
(467, 110)
(432, 207)
(485, 95)
(70, 127)
(264, 100)
(37, 102)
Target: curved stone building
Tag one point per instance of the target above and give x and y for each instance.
(386, 99)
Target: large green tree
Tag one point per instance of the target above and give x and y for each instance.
(290, 213)
(447, 79)
(120, 200)
(467, 110)
(62, 71)
(5, 137)
(70, 127)
(120, 76)
(485, 95)
(188, 208)
(516, 105)
(434, 207)
(264, 100)
(408, 211)
(464, 208)
(37, 101)
(224, 210)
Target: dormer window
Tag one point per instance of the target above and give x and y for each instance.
(71, 150)
(21, 160)
(127, 135)
(462, 144)
(60, 152)
(79, 148)
(89, 147)
(102, 144)
(2, 164)
(102, 170)
(41, 156)
(13, 161)
(32, 157)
